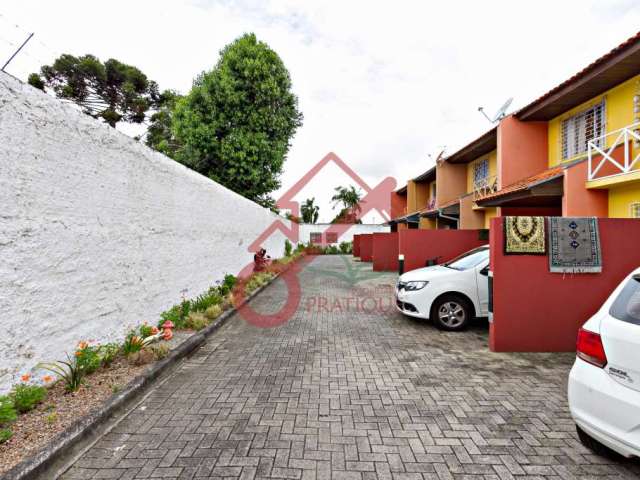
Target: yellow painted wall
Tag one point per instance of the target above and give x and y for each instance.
(493, 168)
(618, 114)
(417, 196)
(422, 195)
(621, 198)
(432, 190)
(489, 213)
(428, 224)
(411, 196)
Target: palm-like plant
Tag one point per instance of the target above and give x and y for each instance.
(350, 198)
(310, 211)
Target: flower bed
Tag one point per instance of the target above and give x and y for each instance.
(40, 408)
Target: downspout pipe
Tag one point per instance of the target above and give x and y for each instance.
(457, 220)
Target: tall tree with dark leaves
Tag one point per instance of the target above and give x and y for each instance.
(309, 211)
(159, 136)
(112, 91)
(236, 124)
(350, 199)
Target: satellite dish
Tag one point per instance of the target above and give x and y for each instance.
(500, 114)
(439, 156)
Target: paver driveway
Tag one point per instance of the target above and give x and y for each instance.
(347, 394)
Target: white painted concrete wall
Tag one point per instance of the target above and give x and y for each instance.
(98, 232)
(306, 229)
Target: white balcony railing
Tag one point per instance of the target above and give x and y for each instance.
(597, 147)
(485, 186)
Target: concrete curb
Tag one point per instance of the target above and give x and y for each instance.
(67, 441)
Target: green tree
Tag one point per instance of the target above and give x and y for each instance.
(350, 199)
(112, 91)
(160, 137)
(235, 125)
(310, 211)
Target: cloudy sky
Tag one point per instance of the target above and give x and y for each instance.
(385, 85)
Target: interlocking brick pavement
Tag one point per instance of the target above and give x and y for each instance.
(347, 395)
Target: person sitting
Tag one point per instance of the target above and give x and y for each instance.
(260, 260)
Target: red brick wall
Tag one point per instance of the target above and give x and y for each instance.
(538, 311)
(385, 252)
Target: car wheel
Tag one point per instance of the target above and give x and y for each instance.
(592, 444)
(452, 313)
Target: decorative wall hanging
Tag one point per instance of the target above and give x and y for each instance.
(524, 236)
(574, 245)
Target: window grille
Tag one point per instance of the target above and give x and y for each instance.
(315, 237)
(634, 210)
(332, 237)
(577, 131)
(481, 171)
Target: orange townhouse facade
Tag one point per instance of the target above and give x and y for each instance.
(575, 151)
(409, 202)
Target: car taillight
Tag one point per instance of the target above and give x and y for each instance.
(590, 348)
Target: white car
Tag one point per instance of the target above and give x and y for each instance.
(451, 294)
(604, 383)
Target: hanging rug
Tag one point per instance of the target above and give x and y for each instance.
(524, 236)
(574, 245)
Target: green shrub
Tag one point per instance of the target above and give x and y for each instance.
(108, 353)
(331, 250)
(176, 314)
(257, 280)
(287, 248)
(145, 330)
(159, 350)
(299, 247)
(88, 358)
(346, 247)
(7, 411)
(26, 397)
(206, 300)
(132, 343)
(227, 284)
(197, 321)
(71, 373)
(5, 434)
(213, 312)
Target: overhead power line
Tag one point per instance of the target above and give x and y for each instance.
(16, 52)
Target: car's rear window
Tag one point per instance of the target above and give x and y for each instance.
(627, 306)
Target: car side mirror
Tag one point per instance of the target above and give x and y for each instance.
(484, 271)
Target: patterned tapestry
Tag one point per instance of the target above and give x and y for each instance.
(524, 236)
(574, 245)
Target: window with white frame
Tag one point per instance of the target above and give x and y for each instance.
(481, 171)
(634, 210)
(579, 129)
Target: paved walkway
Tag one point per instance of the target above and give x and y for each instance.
(347, 394)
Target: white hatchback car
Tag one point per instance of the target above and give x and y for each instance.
(451, 294)
(604, 383)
